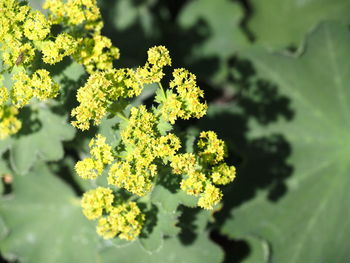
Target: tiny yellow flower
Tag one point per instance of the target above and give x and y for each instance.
(212, 149)
(54, 51)
(194, 183)
(4, 95)
(36, 27)
(210, 197)
(124, 221)
(22, 90)
(184, 163)
(9, 124)
(95, 201)
(43, 86)
(223, 174)
(101, 153)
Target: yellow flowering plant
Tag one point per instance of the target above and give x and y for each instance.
(145, 153)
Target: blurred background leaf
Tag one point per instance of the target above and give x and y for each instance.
(279, 24)
(307, 223)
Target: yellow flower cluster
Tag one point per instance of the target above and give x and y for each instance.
(106, 87)
(4, 94)
(36, 27)
(96, 202)
(73, 12)
(96, 53)
(152, 71)
(124, 220)
(54, 51)
(9, 124)
(24, 31)
(213, 150)
(101, 90)
(18, 24)
(101, 153)
(186, 102)
(201, 172)
(136, 169)
(143, 147)
(143, 144)
(39, 85)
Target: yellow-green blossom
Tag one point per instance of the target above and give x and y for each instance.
(73, 12)
(132, 176)
(101, 153)
(210, 197)
(36, 27)
(96, 53)
(4, 95)
(96, 201)
(22, 90)
(223, 174)
(184, 163)
(9, 124)
(17, 53)
(159, 56)
(88, 168)
(124, 221)
(199, 173)
(167, 146)
(79, 11)
(212, 149)
(39, 85)
(54, 51)
(170, 107)
(101, 90)
(93, 102)
(57, 10)
(194, 183)
(43, 85)
(188, 93)
(100, 150)
(152, 71)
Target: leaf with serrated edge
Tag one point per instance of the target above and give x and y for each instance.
(46, 222)
(294, 20)
(218, 24)
(44, 143)
(201, 250)
(170, 201)
(309, 223)
(165, 225)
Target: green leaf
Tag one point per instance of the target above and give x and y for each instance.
(222, 17)
(45, 221)
(279, 24)
(3, 171)
(217, 24)
(173, 250)
(3, 229)
(41, 137)
(126, 12)
(162, 224)
(259, 250)
(164, 127)
(170, 201)
(309, 223)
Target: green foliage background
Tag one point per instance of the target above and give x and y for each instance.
(276, 76)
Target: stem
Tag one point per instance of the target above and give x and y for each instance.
(162, 89)
(122, 116)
